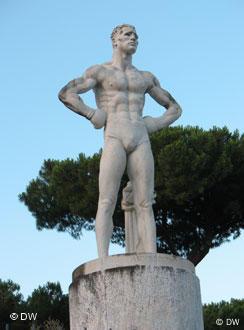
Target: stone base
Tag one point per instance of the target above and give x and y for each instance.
(136, 292)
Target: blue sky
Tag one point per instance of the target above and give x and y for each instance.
(196, 50)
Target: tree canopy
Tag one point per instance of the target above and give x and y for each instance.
(231, 313)
(199, 183)
(11, 301)
(48, 302)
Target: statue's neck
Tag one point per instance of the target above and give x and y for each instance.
(121, 60)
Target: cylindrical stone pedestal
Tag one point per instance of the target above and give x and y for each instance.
(136, 292)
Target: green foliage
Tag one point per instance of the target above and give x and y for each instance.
(63, 195)
(53, 325)
(226, 311)
(11, 301)
(200, 189)
(199, 185)
(48, 301)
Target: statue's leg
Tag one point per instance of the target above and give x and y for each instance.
(141, 173)
(112, 166)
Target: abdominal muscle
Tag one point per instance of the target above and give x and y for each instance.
(128, 127)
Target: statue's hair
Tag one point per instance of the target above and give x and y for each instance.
(117, 30)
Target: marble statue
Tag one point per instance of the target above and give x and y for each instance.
(133, 242)
(120, 90)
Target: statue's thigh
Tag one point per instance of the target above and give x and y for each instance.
(140, 170)
(112, 166)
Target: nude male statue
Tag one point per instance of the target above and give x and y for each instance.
(120, 90)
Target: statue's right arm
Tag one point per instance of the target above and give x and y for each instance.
(69, 95)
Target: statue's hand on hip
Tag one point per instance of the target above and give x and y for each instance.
(99, 118)
(151, 124)
(155, 124)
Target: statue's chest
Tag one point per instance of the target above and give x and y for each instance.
(129, 81)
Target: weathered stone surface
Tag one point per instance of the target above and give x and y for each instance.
(120, 90)
(136, 292)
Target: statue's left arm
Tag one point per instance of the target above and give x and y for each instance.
(161, 96)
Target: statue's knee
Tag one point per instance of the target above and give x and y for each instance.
(107, 203)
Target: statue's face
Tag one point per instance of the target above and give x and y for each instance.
(127, 40)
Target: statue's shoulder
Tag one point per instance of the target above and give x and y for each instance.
(151, 79)
(147, 75)
(94, 70)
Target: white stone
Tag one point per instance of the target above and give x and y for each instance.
(136, 292)
(120, 90)
(133, 239)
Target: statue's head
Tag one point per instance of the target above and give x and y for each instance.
(124, 37)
